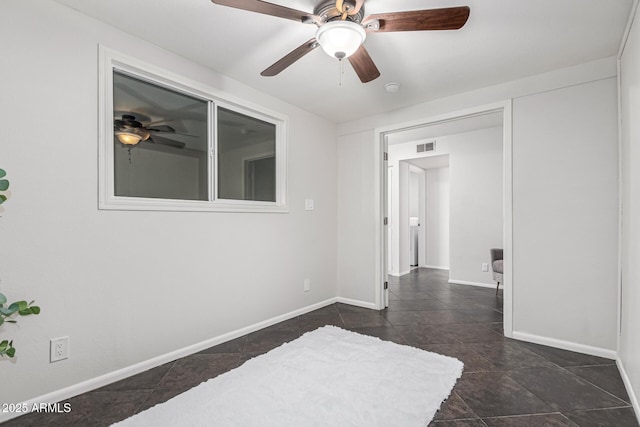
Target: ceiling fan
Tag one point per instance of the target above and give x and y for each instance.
(130, 131)
(342, 28)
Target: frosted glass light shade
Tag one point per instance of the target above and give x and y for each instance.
(341, 39)
(128, 138)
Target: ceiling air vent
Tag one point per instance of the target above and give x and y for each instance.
(429, 146)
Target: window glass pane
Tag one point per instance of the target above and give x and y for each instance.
(160, 141)
(246, 157)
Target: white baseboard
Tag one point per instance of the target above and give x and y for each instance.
(627, 384)
(465, 282)
(434, 267)
(566, 345)
(120, 374)
(357, 303)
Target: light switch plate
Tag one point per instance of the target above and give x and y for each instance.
(308, 204)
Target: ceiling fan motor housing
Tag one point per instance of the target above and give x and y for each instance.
(326, 9)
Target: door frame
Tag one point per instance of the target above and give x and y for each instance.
(380, 184)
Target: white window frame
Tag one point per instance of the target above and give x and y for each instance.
(111, 60)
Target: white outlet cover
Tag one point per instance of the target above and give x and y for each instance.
(59, 349)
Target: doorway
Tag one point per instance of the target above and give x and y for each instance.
(462, 121)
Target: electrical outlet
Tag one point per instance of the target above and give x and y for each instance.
(307, 285)
(485, 266)
(59, 349)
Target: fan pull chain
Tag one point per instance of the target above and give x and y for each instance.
(129, 150)
(340, 72)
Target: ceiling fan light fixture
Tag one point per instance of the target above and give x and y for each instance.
(128, 138)
(341, 39)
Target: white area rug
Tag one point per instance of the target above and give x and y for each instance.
(328, 377)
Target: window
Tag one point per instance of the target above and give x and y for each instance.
(167, 143)
(246, 157)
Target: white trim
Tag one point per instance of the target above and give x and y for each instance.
(507, 219)
(623, 44)
(620, 209)
(435, 267)
(110, 60)
(623, 372)
(627, 384)
(467, 283)
(379, 139)
(356, 303)
(120, 374)
(627, 30)
(565, 345)
(381, 296)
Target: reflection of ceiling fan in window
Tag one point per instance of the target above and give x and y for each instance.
(130, 131)
(342, 28)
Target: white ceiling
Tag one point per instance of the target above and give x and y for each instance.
(503, 40)
(432, 162)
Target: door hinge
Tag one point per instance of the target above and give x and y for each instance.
(386, 285)
(386, 156)
(386, 221)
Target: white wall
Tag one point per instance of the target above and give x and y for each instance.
(356, 225)
(400, 222)
(475, 173)
(414, 193)
(629, 344)
(593, 329)
(475, 201)
(565, 217)
(130, 286)
(437, 218)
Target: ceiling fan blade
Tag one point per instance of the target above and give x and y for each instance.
(166, 141)
(363, 65)
(290, 58)
(266, 9)
(162, 128)
(450, 18)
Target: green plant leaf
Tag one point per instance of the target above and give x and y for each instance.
(1, 320)
(8, 311)
(35, 309)
(11, 352)
(2, 173)
(25, 312)
(2, 199)
(3, 345)
(4, 184)
(3, 299)
(18, 306)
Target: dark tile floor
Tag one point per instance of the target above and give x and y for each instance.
(505, 382)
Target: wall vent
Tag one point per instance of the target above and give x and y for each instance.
(429, 146)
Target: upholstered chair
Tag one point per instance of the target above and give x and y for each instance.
(497, 266)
